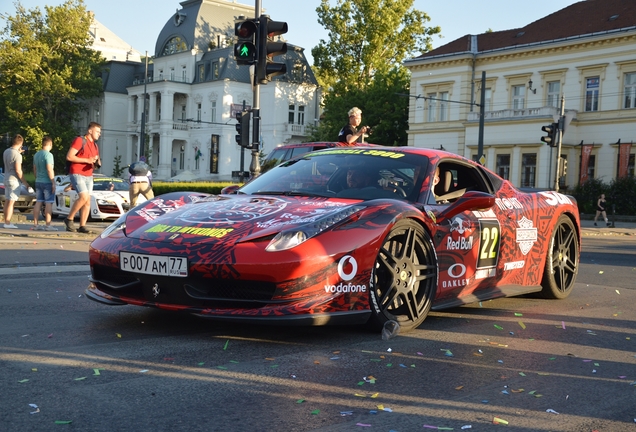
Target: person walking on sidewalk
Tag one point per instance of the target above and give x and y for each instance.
(12, 178)
(140, 180)
(44, 184)
(600, 210)
(83, 157)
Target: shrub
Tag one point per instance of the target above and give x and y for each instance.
(160, 188)
(620, 195)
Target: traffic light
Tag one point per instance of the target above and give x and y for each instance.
(243, 128)
(552, 131)
(563, 166)
(266, 67)
(245, 47)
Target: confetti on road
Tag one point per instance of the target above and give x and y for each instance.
(63, 422)
(498, 327)
(523, 326)
(226, 343)
(551, 411)
(497, 420)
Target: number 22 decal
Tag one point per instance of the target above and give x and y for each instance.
(489, 245)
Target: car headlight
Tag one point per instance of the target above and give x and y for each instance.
(291, 238)
(119, 224)
(105, 202)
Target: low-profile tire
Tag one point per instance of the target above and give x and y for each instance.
(562, 260)
(404, 277)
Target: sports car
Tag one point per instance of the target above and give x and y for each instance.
(109, 199)
(310, 242)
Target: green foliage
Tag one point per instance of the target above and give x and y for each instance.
(620, 195)
(366, 38)
(160, 188)
(382, 108)
(49, 74)
(587, 194)
(117, 168)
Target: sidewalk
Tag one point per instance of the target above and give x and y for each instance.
(616, 228)
(25, 228)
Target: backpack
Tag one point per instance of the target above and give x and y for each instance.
(67, 169)
(138, 169)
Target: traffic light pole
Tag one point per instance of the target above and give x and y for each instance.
(255, 165)
(559, 140)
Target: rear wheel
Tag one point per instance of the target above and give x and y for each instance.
(562, 262)
(404, 277)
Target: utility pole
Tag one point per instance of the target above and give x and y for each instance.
(255, 164)
(559, 131)
(142, 135)
(482, 102)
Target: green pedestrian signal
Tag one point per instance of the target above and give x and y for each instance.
(245, 48)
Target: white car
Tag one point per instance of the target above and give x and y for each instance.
(109, 200)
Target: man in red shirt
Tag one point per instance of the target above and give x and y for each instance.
(83, 156)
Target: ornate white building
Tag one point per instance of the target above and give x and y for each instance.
(193, 90)
(585, 52)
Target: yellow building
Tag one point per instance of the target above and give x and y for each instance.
(584, 54)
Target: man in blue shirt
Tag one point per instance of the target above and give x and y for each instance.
(44, 184)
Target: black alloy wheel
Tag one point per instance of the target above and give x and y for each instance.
(562, 261)
(404, 277)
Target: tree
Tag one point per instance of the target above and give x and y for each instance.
(48, 74)
(383, 108)
(366, 38)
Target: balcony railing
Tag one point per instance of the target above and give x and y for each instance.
(297, 129)
(180, 126)
(515, 113)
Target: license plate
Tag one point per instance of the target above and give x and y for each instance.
(153, 264)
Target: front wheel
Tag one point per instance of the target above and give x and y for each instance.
(404, 277)
(562, 261)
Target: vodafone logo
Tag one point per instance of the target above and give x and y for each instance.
(347, 259)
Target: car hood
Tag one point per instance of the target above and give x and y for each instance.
(111, 195)
(228, 219)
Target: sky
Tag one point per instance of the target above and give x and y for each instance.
(139, 22)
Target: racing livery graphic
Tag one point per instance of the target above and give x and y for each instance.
(304, 244)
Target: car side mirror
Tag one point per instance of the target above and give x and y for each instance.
(472, 200)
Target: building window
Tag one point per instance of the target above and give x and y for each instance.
(591, 93)
(215, 70)
(296, 114)
(184, 75)
(298, 72)
(443, 106)
(518, 97)
(291, 114)
(554, 93)
(161, 74)
(182, 158)
(201, 72)
(183, 112)
(214, 155)
(432, 107)
(630, 90)
(487, 99)
(301, 114)
(503, 166)
(175, 45)
(213, 112)
(630, 165)
(198, 112)
(171, 74)
(591, 162)
(528, 169)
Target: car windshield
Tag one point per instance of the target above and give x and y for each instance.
(345, 173)
(105, 185)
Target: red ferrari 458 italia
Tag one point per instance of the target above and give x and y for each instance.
(343, 235)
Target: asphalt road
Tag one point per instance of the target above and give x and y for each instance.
(67, 363)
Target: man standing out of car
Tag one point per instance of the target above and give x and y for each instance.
(140, 182)
(81, 175)
(44, 184)
(12, 178)
(349, 133)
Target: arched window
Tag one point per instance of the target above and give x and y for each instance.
(175, 45)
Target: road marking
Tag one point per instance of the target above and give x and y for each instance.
(26, 270)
